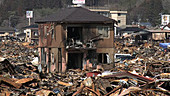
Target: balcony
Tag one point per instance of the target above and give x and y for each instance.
(73, 44)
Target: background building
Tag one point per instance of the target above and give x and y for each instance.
(119, 16)
(31, 33)
(165, 19)
(7, 31)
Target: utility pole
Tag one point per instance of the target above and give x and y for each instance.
(29, 15)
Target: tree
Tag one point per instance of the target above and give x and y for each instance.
(148, 10)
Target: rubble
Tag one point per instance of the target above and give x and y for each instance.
(148, 73)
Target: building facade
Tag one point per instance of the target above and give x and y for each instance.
(119, 16)
(165, 19)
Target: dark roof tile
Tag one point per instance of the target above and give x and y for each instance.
(31, 26)
(75, 15)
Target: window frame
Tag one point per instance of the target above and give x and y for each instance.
(108, 32)
(119, 21)
(35, 33)
(119, 14)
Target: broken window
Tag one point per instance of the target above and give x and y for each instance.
(35, 33)
(103, 30)
(102, 58)
(28, 34)
(74, 36)
(75, 33)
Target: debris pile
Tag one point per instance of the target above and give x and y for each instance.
(147, 73)
(17, 52)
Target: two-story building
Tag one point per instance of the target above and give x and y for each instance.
(74, 38)
(119, 16)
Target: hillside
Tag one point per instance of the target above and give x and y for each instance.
(12, 12)
(166, 5)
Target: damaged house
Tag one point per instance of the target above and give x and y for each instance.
(138, 35)
(75, 38)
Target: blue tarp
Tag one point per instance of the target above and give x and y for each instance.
(164, 45)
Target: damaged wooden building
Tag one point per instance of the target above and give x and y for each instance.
(75, 38)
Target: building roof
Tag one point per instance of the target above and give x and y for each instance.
(116, 12)
(75, 15)
(21, 34)
(134, 29)
(31, 26)
(159, 31)
(7, 29)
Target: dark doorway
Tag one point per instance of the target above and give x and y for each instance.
(75, 60)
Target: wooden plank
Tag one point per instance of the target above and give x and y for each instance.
(10, 81)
